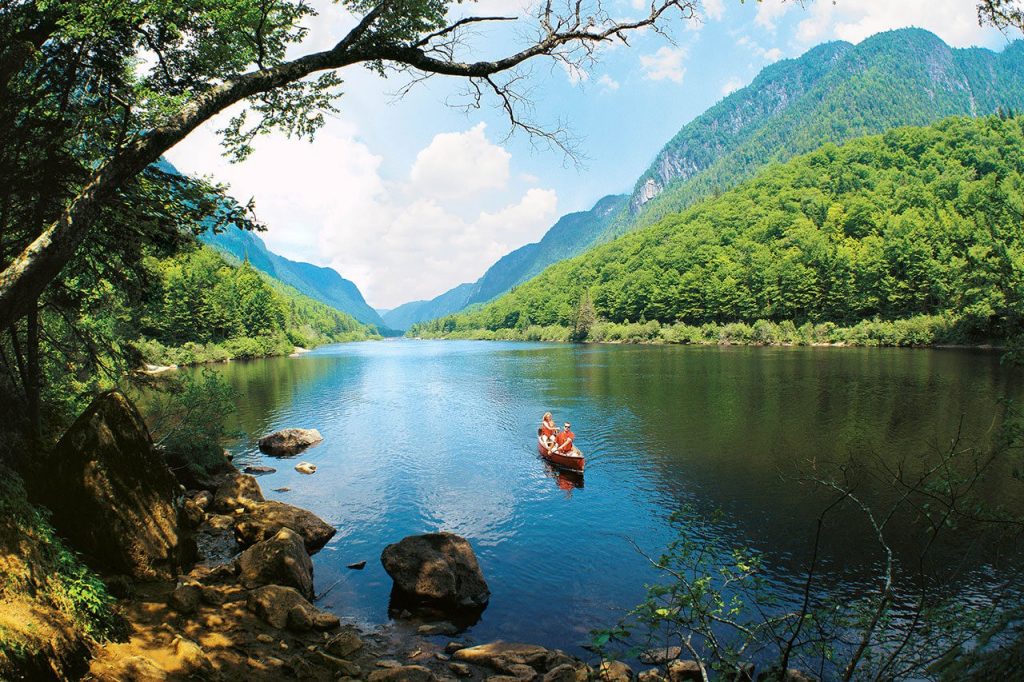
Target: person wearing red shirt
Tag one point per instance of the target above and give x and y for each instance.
(548, 424)
(564, 440)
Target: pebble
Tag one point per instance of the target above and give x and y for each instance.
(265, 638)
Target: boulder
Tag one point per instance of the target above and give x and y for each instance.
(215, 540)
(112, 495)
(236, 490)
(403, 673)
(460, 669)
(502, 656)
(185, 598)
(567, 673)
(264, 519)
(202, 499)
(661, 656)
(683, 671)
(652, 675)
(289, 441)
(280, 560)
(283, 607)
(344, 644)
(439, 568)
(614, 671)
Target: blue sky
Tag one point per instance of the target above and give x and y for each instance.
(409, 197)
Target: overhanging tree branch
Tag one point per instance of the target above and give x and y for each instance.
(29, 272)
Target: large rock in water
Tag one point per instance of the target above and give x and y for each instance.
(437, 568)
(264, 519)
(289, 441)
(280, 560)
(112, 495)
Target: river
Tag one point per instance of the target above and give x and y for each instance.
(422, 436)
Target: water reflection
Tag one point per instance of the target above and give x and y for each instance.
(427, 436)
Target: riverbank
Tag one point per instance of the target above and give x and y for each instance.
(917, 332)
(213, 624)
(188, 354)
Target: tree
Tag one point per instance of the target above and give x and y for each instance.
(585, 319)
(212, 55)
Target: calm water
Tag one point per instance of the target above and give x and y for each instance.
(425, 436)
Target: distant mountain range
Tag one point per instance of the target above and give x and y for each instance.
(319, 283)
(571, 235)
(833, 93)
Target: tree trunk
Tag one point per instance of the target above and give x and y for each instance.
(32, 375)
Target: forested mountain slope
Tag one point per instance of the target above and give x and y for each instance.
(832, 93)
(918, 221)
(201, 306)
(319, 283)
(571, 235)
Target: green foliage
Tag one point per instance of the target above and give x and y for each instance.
(200, 308)
(917, 225)
(585, 319)
(186, 417)
(39, 565)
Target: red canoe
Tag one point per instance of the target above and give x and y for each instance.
(572, 461)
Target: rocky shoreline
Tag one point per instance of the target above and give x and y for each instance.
(244, 612)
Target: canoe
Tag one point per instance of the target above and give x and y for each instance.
(574, 461)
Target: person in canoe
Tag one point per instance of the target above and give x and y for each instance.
(564, 440)
(547, 425)
(546, 441)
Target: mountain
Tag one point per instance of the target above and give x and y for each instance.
(320, 284)
(571, 235)
(834, 92)
(919, 221)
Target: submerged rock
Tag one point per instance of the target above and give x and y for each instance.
(289, 441)
(112, 495)
(264, 519)
(280, 560)
(259, 469)
(438, 568)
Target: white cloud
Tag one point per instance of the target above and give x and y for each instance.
(714, 9)
(665, 64)
(732, 85)
(607, 83)
(459, 164)
(329, 203)
(955, 21)
(769, 55)
(770, 11)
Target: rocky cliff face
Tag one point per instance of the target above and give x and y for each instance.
(833, 93)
